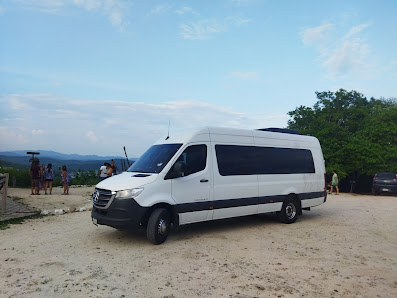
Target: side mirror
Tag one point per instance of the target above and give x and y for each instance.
(177, 170)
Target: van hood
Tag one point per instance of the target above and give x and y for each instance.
(127, 180)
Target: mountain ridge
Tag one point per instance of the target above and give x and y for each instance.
(58, 155)
(74, 162)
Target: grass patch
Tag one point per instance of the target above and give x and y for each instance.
(15, 198)
(17, 221)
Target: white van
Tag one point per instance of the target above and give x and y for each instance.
(214, 173)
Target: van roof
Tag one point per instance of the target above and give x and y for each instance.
(205, 134)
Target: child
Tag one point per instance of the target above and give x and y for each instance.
(41, 181)
(65, 180)
(48, 177)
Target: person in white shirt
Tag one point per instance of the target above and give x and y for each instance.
(103, 172)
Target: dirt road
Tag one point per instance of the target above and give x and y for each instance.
(344, 248)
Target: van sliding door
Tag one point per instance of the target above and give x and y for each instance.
(235, 181)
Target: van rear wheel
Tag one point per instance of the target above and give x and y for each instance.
(289, 211)
(158, 226)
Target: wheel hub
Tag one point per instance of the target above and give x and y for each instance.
(290, 211)
(162, 228)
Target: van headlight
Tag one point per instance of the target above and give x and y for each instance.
(128, 193)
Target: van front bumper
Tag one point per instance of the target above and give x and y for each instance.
(120, 213)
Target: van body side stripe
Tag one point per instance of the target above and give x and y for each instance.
(241, 202)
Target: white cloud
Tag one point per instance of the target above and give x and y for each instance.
(315, 35)
(103, 127)
(12, 138)
(184, 10)
(37, 132)
(114, 10)
(238, 21)
(204, 29)
(349, 58)
(346, 54)
(356, 30)
(92, 137)
(90, 5)
(209, 28)
(46, 6)
(160, 9)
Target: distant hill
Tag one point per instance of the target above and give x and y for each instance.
(74, 162)
(57, 155)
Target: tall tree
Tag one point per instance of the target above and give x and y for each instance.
(358, 136)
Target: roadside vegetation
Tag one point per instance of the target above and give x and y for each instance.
(22, 178)
(358, 135)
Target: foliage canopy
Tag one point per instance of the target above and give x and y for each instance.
(357, 135)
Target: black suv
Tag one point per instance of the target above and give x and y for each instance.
(384, 182)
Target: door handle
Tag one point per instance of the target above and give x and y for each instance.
(203, 180)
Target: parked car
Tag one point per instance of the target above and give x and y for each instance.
(384, 182)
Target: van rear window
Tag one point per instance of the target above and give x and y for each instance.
(155, 158)
(253, 160)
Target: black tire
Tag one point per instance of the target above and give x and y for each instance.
(158, 226)
(289, 211)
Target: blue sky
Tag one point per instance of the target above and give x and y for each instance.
(92, 76)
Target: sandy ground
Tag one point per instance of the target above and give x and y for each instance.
(344, 248)
(79, 197)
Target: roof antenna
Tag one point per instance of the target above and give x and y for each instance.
(168, 136)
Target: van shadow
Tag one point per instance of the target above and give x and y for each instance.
(209, 229)
(219, 228)
(137, 235)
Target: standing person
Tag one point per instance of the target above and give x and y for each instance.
(35, 174)
(114, 167)
(65, 180)
(41, 182)
(48, 178)
(109, 170)
(334, 182)
(103, 172)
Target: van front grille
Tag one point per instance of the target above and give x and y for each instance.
(101, 197)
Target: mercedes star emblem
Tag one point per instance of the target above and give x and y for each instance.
(95, 196)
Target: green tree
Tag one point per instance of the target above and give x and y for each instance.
(358, 136)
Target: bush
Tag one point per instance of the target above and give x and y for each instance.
(22, 177)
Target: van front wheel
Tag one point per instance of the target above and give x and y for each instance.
(289, 211)
(158, 226)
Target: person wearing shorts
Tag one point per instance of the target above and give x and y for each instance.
(35, 174)
(48, 178)
(334, 183)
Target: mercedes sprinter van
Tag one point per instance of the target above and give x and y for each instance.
(214, 173)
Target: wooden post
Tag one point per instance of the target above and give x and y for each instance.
(4, 197)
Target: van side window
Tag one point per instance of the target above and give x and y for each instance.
(195, 158)
(254, 160)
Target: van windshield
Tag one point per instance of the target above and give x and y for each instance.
(155, 158)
